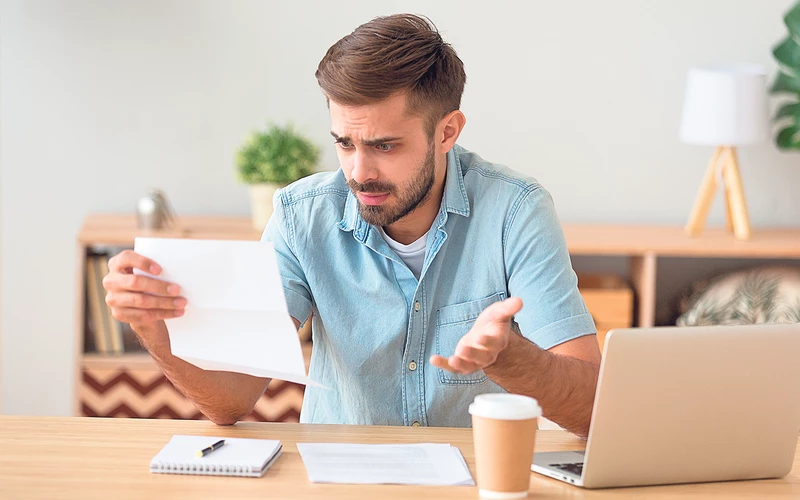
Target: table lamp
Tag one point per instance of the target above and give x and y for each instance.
(724, 107)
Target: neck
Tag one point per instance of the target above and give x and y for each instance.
(411, 227)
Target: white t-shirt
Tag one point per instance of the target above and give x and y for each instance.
(413, 254)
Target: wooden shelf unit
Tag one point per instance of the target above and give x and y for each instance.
(641, 245)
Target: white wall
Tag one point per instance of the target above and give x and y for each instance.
(100, 101)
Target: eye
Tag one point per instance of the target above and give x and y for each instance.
(344, 144)
(385, 147)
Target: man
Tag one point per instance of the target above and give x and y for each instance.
(415, 257)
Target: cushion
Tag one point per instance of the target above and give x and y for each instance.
(769, 294)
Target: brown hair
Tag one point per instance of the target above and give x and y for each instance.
(392, 54)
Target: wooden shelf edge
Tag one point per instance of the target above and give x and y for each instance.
(121, 229)
(671, 241)
(582, 239)
(133, 361)
(143, 360)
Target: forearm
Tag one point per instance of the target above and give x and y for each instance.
(564, 386)
(223, 397)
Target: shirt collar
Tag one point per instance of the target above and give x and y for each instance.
(454, 200)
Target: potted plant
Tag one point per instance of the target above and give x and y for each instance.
(269, 160)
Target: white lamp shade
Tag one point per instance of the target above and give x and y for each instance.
(725, 106)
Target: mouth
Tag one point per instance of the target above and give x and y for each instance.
(372, 198)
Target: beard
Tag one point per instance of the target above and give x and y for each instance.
(409, 197)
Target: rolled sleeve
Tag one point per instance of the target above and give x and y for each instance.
(563, 330)
(540, 273)
(295, 285)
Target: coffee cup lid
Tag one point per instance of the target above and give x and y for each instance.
(505, 407)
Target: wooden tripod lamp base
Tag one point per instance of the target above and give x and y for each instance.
(736, 218)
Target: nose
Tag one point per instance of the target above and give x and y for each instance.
(363, 171)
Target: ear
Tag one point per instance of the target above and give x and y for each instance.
(448, 130)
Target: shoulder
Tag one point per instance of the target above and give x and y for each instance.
(501, 196)
(322, 185)
(484, 177)
(311, 207)
(498, 186)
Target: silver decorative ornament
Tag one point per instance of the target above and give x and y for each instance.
(154, 212)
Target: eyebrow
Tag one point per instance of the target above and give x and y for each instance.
(367, 142)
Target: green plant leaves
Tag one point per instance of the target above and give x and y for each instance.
(788, 54)
(278, 155)
(792, 20)
(787, 81)
(788, 109)
(788, 137)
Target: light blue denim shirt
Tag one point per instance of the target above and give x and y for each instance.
(375, 325)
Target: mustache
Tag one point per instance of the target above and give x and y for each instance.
(370, 187)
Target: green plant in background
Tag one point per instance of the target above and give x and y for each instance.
(277, 155)
(787, 82)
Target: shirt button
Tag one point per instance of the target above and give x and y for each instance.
(415, 424)
(416, 306)
(412, 366)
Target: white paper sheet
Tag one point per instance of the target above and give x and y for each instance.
(422, 464)
(236, 317)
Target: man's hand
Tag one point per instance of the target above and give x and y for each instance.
(480, 346)
(137, 299)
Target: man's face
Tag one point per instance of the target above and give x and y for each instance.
(387, 158)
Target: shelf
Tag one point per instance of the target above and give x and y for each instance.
(111, 229)
(143, 360)
(670, 241)
(129, 361)
(666, 241)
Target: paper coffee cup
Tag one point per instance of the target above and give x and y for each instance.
(504, 432)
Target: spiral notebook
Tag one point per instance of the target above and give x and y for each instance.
(238, 457)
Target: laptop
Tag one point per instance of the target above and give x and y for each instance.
(688, 405)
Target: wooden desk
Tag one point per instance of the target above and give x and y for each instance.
(68, 457)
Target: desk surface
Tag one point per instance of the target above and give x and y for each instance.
(55, 457)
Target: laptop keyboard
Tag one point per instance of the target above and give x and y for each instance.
(574, 468)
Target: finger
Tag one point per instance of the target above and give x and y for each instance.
(441, 362)
(502, 312)
(475, 355)
(127, 260)
(444, 363)
(130, 315)
(144, 301)
(491, 342)
(454, 364)
(117, 282)
(462, 366)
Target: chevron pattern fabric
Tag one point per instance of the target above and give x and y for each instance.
(148, 393)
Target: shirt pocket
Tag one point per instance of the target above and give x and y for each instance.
(452, 323)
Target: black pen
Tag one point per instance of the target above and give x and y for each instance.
(206, 451)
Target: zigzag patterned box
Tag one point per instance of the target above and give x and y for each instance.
(144, 392)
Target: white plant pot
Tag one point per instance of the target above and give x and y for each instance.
(261, 203)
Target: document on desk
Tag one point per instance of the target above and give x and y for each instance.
(236, 317)
(428, 464)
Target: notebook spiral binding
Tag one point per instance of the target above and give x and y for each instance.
(201, 468)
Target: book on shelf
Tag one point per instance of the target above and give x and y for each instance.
(104, 333)
(95, 306)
